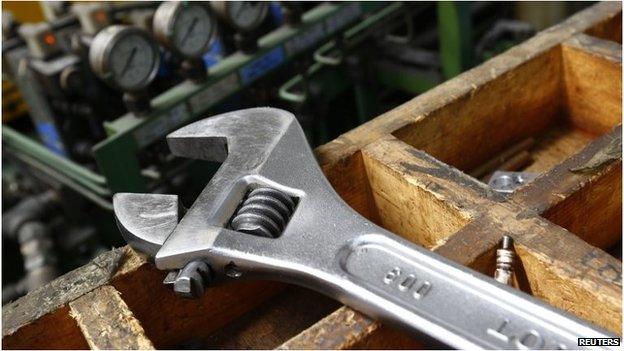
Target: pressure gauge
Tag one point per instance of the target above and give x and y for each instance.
(244, 16)
(125, 57)
(186, 28)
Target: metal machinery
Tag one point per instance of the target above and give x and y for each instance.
(105, 82)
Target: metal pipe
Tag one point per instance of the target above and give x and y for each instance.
(24, 223)
(43, 154)
(37, 249)
(32, 208)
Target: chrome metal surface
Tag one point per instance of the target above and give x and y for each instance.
(328, 247)
(507, 182)
(146, 220)
(264, 212)
(192, 280)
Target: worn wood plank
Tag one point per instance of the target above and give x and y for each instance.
(594, 212)
(583, 193)
(465, 85)
(177, 320)
(106, 321)
(275, 321)
(588, 285)
(348, 178)
(22, 319)
(409, 208)
(610, 28)
(556, 145)
(349, 329)
(593, 96)
(496, 114)
(340, 330)
(53, 330)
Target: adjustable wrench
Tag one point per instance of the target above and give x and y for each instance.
(270, 213)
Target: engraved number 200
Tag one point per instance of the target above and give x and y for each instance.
(407, 283)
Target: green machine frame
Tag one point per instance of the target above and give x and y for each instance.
(117, 155)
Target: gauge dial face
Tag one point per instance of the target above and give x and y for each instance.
(125, 57)
(131, 61)
(247, 15)
(192, 28)
(187, 28)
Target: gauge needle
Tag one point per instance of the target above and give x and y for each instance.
(130, 57)
(189, 30)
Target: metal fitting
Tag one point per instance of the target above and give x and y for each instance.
(505, 261)
(508, 182)
(191, 281)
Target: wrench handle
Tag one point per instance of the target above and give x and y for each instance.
(399, 282)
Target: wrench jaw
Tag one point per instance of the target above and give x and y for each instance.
(243, 141)
(146, 220)
(244, 137)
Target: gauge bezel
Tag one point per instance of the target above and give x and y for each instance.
(101, 50)
(222, 10)
(164, 20)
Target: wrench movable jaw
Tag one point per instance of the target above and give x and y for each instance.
(308, 240)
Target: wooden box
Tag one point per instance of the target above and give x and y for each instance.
(408, 170)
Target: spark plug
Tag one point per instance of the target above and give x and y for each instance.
(505, 261)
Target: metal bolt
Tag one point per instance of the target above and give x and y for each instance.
(504, 261)
(232, 271)
(508, 182)
(191, 281)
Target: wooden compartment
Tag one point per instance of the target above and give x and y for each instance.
(561, 99)
(408, 170)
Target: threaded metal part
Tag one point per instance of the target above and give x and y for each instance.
(507, 242)
(265, 212)
(505, 261)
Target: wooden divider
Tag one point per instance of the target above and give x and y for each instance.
(107, 323)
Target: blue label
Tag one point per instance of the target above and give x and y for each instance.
(50, 137)
(164, 69)
(262, 65)
(215, 54)
(275, 12)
